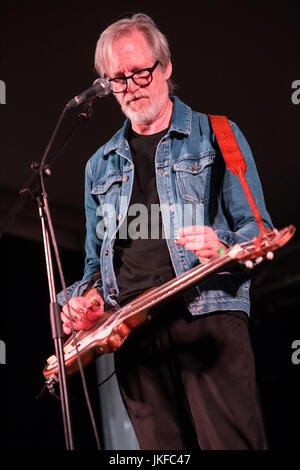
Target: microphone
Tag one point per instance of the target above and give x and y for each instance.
(100, 87)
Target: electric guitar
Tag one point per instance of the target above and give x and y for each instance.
(111, 330)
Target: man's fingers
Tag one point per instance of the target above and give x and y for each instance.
(84, 312)
(203, 260)
(190, 230)
(66, 319)
(77, 305)
(64, 316)
(96, 300)
(206, 250)
(66, 329)
(93, 315)
(66, 323)
(196, 233)
(82, 320)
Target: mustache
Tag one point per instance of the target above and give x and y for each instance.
(135, 96)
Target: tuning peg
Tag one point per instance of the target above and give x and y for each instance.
(249, 264)
(259, 260)
(270, 255)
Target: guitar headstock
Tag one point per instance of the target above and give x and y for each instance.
(262, 246)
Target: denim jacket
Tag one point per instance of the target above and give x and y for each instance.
(191, 178)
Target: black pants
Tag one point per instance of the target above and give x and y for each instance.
(189, 382)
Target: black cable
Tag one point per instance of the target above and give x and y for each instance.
(80, 395)
(105, 380)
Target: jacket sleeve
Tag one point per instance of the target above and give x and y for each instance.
(92, 245)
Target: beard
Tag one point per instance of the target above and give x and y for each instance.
(140, 109)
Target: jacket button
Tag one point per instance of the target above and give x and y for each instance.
(106, 252)
(112, 291)
(125, 178)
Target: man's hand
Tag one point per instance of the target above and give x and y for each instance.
(84, 311)
(200, 239)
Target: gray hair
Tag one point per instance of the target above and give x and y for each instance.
(157, 41)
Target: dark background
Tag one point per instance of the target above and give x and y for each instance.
(227, 59)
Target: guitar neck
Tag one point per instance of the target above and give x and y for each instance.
(172, 288)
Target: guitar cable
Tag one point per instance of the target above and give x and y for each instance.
(76, 397)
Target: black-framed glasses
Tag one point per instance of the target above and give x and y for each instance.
(142, 78)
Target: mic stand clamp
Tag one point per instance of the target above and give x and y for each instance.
(35, 167)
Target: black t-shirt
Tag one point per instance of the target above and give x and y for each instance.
(141, 255)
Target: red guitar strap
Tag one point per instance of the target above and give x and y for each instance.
(234, 159)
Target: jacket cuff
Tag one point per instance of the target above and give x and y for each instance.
(76, 290)
(230, 238)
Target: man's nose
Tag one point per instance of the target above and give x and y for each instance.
(131, 86)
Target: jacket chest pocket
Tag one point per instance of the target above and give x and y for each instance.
(194, 177)
(107, 189)
(107, 192)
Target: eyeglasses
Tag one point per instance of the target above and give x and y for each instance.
(142, 78)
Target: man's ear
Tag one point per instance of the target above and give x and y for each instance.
(168, 70)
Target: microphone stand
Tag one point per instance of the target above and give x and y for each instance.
(36, 190)
(55, 322)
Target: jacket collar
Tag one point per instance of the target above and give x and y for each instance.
(181, 118)
(180, 123)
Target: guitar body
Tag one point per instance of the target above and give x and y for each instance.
(106, 336)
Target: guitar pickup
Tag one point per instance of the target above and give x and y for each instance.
(51, 360)
(67, 349)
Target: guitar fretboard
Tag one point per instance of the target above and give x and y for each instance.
(170, 289)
